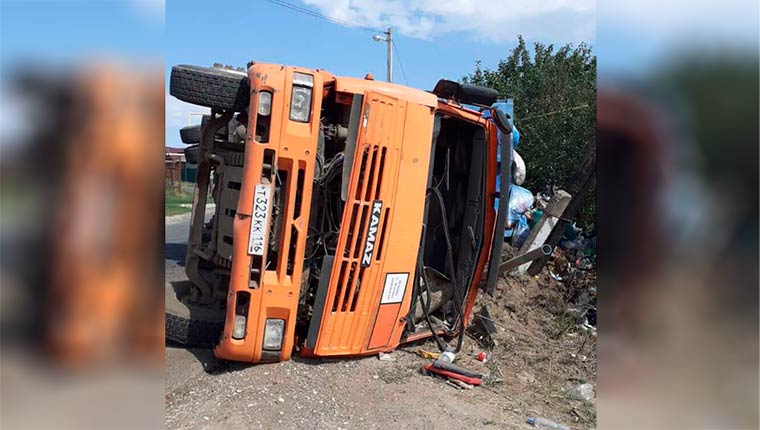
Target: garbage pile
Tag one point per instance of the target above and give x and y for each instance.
(574, 257)
(574, 266)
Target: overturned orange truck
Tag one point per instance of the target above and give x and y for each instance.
(351, 215)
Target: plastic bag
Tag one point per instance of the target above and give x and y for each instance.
(518, 169)
(520, 232)
(520, 200)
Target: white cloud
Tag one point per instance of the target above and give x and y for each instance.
(683, 19)
(149, 10)
(495, 21)
(639, 35)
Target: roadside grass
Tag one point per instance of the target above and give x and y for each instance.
(178, 202)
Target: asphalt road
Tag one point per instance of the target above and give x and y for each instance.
(176, 230)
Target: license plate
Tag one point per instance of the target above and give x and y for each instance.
(259, 219)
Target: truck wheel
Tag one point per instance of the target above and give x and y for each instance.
(210, 87)
(190, 325)
(192, 154)
(190, 134)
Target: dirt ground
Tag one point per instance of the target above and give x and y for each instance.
(542, 349)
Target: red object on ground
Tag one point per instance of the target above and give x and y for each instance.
(482, 356)
(472, 381)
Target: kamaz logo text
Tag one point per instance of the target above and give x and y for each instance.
(369, 243)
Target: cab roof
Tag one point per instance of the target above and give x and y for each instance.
(359, 86)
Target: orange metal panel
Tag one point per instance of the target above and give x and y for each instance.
(294, 144)
(360, 86)
(390, 166)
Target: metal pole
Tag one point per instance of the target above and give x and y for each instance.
(544, 250)
(389, 39)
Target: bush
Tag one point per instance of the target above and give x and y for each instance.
(554, 92)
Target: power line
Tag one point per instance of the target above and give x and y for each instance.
(583, 106)
(401, 64)
(333, 20)
(316, 14)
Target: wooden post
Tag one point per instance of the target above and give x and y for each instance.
(578, 186)
(544, 227)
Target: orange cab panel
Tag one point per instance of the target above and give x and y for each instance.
(372, 271)
(265, 279)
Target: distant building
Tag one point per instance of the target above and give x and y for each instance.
(177, 168)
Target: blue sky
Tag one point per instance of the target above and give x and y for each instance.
(255, 29)
(638, 36)
(434, 39)
(62, 31)
(261, 31)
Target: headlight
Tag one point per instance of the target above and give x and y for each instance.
(238, 330)
(300, 99)
(273, 332)
(265, 103)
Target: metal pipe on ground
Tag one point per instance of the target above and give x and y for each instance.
(543, 250)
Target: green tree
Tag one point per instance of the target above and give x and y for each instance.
(554, 91)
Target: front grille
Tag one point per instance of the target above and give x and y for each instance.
(368, 225)
(348, 261)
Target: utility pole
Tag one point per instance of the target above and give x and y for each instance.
(387, 37)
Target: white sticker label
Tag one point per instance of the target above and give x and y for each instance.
(395, 286)
(259, 219)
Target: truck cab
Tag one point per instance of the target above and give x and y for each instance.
(351, 215)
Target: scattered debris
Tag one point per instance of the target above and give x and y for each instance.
(482, 328)
(581, 357)
(459, 384)
(427, 354)
(472, 380)
(578, 414)
(584, 392)
(544, 423)
(446, 357)
(589, 328)
(482, 357)
(541, 316)
(386, 357)
(443, 367)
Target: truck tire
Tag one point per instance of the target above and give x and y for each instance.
(192, 153)
(190, 325)
(190, 134)
(210, 87)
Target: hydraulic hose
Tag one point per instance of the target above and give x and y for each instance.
(452, 270)
(426, 304)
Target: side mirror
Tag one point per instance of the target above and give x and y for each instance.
(502, 121)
